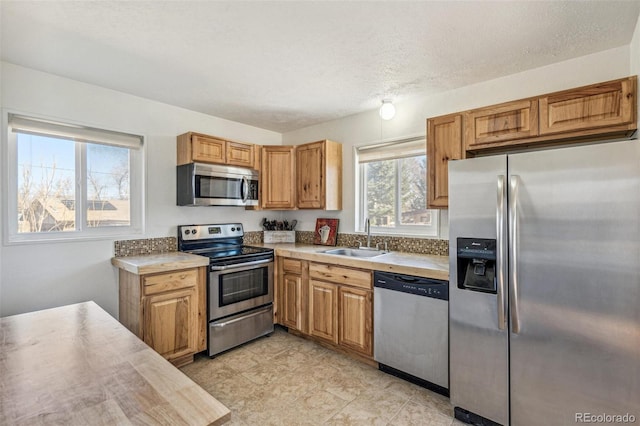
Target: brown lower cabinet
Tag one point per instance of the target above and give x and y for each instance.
(167, 311)
(323, 310)
(356, 319)
(292, 301)
(329, 303)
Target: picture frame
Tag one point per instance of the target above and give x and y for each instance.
(326, 233)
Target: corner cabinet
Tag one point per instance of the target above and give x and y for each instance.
(166, 310)
(444, 143)
(200, 148)
(277, 177)
(319, 175)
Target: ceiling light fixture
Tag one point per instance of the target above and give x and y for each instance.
(387, 110)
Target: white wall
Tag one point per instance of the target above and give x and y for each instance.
(367, 127)
(37, 276)
(634, 54)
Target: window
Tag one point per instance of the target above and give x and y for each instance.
(392, 189)
(68, 181)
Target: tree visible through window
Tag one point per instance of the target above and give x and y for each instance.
(67, 183)
(393, 189)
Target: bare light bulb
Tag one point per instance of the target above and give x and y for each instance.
(387, 110)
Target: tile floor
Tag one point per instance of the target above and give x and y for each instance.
(287, 380)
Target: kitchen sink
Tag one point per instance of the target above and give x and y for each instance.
(355, 252)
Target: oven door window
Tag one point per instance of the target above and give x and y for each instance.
(243, 285)
(218, 187)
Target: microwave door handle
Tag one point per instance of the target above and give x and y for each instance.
(244, 189)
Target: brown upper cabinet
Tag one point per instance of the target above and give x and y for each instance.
(319, 175)
(599, 111)
(196, 147)
(506, 122)
(605, 105)
(277, 177)
(444, 143)
(307, 176)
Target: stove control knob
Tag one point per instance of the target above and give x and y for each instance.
(187, 232)
(233, 229)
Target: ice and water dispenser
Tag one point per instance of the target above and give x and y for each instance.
(477, 264)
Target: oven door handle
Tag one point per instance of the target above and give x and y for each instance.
(239, 265)
(242, 318)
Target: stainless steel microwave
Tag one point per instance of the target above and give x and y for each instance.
(201, 184)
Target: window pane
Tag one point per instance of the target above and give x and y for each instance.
(46, 189)
(108, 186)
(380, 192)
(413, 187)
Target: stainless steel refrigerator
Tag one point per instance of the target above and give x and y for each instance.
(545, 285)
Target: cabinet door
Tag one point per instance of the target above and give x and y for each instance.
(278, 177)
(444, 143)
(240, 154)
(600, 105)
(323, 310)
(510, 121)
(208, 150)
(310, 178)
(292, 309)
(355, 319)
(170, 323)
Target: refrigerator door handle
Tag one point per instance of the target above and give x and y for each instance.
(514, 184)
(501, 252)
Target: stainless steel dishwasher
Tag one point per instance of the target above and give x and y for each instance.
(411, 328)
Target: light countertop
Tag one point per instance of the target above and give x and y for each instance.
(77, 365)
(163, 262)
(421, 265)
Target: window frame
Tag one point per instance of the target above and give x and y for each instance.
(137, 181)
(432, 231)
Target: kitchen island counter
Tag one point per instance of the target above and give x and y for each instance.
(77, 365)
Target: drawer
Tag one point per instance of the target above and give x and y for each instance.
(340, 275)
(154, 284)
(292, 265)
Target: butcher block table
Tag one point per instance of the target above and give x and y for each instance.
(77, 365)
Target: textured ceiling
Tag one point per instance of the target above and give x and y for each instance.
(286, 65)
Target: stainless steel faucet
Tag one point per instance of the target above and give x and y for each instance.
(367, 229)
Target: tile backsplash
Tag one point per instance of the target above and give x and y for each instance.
(254, 237)
(410, 245)
(145, 246)
(405, 244)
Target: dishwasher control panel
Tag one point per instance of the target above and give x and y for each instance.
(436, 289)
